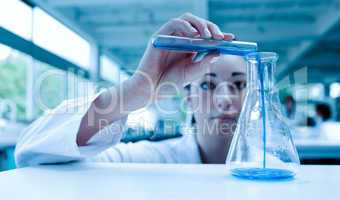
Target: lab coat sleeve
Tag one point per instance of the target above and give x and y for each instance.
(52, 138)
(139, 152)
(177, 150)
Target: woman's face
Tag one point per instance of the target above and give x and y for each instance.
(216, 97)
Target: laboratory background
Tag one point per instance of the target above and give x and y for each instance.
(53, 50)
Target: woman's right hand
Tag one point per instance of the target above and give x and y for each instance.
(157, 63)
(141, 88)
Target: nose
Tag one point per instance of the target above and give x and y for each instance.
(225, 96)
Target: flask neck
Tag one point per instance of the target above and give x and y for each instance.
(260, 71)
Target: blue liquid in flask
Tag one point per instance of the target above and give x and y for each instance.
(263, 173)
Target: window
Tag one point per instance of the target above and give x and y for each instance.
(335, 90)
(49, 87)
(123, 76)
(79, 87)
(13, 77)
(53, 86)
(317, 91)
(32, 86)
(57, 38)
(309, 91)
(5, 52)
(111, 71)
(10, 19)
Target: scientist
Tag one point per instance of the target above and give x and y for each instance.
(80, 130)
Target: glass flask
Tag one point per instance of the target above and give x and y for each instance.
(262, 146)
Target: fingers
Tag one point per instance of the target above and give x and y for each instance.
(190, 25)
(229, 36)
(216, 32)
(205, 28)
(199, 24)
(183, 27)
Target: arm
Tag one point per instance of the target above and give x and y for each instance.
(76, 130)
(155, 67)
(112, 105)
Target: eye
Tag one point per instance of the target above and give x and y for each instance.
(240, 85)
(232, 88)
(206, 85)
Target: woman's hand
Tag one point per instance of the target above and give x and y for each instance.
(157, 63)
(155, 66)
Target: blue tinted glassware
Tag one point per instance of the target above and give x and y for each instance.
(262, 146)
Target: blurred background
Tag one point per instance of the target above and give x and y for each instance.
(52, 50)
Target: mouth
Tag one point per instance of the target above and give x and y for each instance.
(231, 116)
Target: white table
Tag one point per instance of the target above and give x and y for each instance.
(311, 143)
(87, 181)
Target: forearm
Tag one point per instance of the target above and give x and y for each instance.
(114, 104)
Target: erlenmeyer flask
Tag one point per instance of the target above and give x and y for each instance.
(262, 146)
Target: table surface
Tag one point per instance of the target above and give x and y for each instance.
(314, 143)
(162, 181)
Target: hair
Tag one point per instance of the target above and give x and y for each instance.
(187, 88)
(324, 110)
(291, 99)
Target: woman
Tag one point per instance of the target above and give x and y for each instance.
(78, 130)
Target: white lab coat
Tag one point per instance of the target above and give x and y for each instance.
(52, 139)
